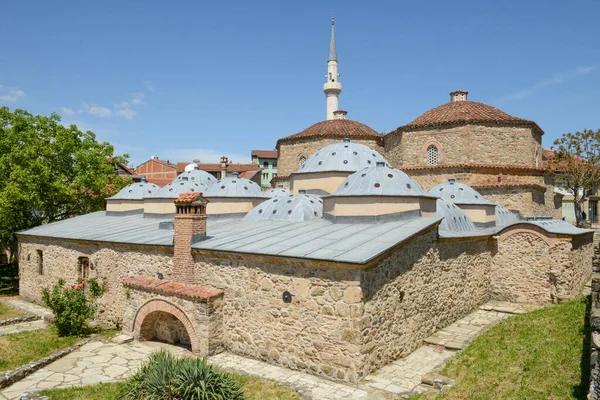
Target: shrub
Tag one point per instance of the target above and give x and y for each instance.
(165, 377)
(73, 305)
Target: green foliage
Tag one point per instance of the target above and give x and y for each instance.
(576, 165)
(73, 305)
(166, 377)
(50, 172)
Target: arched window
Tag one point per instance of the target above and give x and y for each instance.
(432, 155)
(302, 161)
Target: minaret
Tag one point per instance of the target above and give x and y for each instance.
(332, 87)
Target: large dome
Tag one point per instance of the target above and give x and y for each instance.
(195, 174)
(291, 208)
(379, 180)
(335, 128)
(234, 186)
(345, 156)
(178, 186)
(461, 111)
(458, 193)
(136, 191)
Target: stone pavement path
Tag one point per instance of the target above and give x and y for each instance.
(28, 308)
(23, 327)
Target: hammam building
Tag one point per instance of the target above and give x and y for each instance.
(349, 265)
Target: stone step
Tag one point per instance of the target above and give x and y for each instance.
(122, 339)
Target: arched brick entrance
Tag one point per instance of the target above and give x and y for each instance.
(156, 312)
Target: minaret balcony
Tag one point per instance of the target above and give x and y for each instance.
(332, 87)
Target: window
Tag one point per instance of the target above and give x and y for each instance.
(84, 268)
(265, 176)
(302, 161)
(266, 164)
(40, 262)
(432, 155)
(274, 163)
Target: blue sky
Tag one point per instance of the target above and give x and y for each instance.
(198, 79)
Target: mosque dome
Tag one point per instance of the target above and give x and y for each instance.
(234, 186)
(458, 193)
(380, 180)
(336, 129)
(136, 191)
(455, 219)
(290, 208)
(278, 192)
(195, 174)
(462, 111)
(345, 156)
(505, 217)
(178, 186)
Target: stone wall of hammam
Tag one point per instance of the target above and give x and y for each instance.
(532, 266)
(422, 287)
(317, 182)
(467, 144)
(290, 152)
(113, 262)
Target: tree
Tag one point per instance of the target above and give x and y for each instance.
(575, 165)
(49, 172)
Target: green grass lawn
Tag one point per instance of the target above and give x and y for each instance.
(254, 389)
(538, 355)
(20, 348)
(9, 312)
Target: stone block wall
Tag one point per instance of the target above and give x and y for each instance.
(422, 287)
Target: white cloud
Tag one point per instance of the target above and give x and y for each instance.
(67, 111)
(204, 155)
(149, 86)
(554, 80)
(136, 99)
(101, 112)
(9, 94)
(126, 113)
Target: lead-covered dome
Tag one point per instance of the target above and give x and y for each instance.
(278, 192)
(234, 186)
(380, 180)
(178, 186)
(455, 219)
(335, 128)
(458, 193)
(291, 208)
(136, 191)
(345, 156)
(505, 217)
(195, 174)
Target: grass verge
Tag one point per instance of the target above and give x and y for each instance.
(21, 348)
(254, 389)
(539, 355)
(9, 312)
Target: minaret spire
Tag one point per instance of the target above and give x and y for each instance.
(332, 87)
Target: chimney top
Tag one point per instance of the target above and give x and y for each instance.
(224, 159)
(458, 95)
(196, 161)
(339, 114)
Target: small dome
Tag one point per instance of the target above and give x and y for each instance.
(454, 218)
(344, 156)
(234, 186)
(458, 193)
(335, 128)
(278, 192)
(136, 191)
(505, 217)
(195, 174)
(379, 180)
(173, 189)
(291, 208)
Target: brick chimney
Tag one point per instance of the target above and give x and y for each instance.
(190, 228)
(340, 114)
(224, 162)
(458, 95)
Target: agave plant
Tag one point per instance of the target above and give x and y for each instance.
(165, 377)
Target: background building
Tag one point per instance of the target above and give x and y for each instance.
(267, 160)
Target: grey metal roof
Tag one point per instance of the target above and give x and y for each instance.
(505, 217)
(559, 227)
(343, 156)
(332, 49)
(234, 186)
(379, 180)
(136, 191)
(278, 192)
(454, 218)
(195, 174)
(291, 208)
(178, 186)
(458, 193)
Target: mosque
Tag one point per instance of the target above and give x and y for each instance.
(368, 244)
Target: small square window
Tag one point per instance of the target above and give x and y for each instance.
(266, 164)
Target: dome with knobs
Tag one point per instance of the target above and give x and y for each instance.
(458, 193)
(380, 180)
(291, 208)
(234, 186)
(345, 156)
(136, 191)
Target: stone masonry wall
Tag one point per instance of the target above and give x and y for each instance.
(422, 287)
(317, 332)
(530, 269)
(467, 144)
(113, 262)
(290, 152)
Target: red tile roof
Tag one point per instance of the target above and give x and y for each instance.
(189, 198)
(466, 112)
(265, 153)
(533, 186)
(249, 174)
(172, 288)
(230, 167)
(335, 128)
